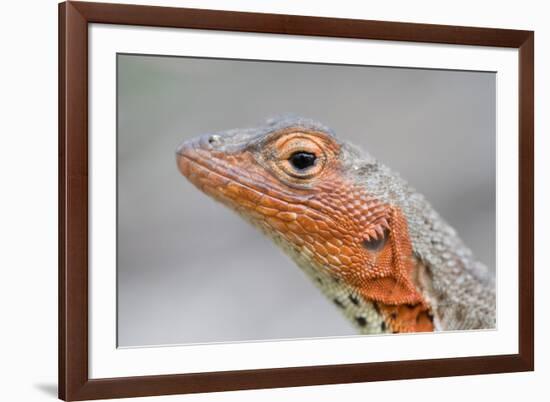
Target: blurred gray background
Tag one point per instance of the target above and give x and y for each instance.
(191, 271)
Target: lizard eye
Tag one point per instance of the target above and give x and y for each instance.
(298, 156)
(302, 160)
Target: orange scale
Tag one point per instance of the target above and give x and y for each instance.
(277, 224)
(266, 211)
(344, 259)
(274, 203)
(295, 227)
(308, 224)
(332, 249)
(347, 251)
(320, 249)
(287, 216)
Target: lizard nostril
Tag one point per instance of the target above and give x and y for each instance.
(209, 141)
(214, 139)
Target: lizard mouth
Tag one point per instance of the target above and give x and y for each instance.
(209, 178)
(252, 197)
(227, 186)
(212, 174)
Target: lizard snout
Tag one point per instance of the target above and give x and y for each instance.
(205, 142)
(190, 147)
(196, 149)
(186, 152)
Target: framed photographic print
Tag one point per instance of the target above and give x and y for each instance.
(382, 179)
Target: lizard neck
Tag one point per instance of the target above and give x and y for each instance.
(367, 315)
(386, 277)
(459, 289)
(362, 313)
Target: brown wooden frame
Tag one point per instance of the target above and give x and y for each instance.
(74, 17)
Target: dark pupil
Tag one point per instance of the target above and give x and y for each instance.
(302, 160)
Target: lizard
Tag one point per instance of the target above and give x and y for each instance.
(368, 240)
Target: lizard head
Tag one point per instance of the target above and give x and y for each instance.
(295, 181)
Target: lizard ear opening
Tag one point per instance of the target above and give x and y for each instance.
(393, 283)
(376, 244)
